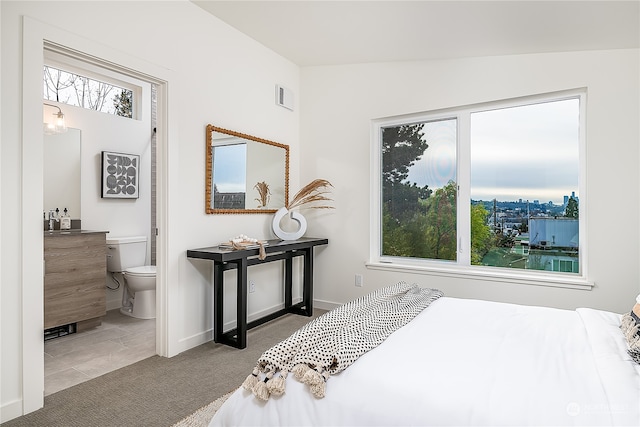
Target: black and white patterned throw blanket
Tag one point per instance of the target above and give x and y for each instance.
(332, 342)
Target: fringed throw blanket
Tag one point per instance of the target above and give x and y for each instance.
(332, 342)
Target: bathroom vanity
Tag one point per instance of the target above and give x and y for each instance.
(74, 278)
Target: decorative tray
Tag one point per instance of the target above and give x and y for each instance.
(243, 242)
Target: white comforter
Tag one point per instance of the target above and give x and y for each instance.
(469, 362)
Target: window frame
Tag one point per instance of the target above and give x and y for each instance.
(65, 63)
(462, 268)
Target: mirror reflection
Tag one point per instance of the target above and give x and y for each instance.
(245, 174)
(62, 172)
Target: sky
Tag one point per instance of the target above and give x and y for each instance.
(230, 168)
(529, 152)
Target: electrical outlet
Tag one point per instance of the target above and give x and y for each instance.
(252, 287)
(359, 280)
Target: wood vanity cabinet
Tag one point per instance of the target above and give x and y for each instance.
(74, 279)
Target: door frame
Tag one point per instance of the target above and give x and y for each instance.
(35, 35)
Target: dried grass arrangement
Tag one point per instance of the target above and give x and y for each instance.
(313, 192)
(264, 192)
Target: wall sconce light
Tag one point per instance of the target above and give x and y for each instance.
(58, 125)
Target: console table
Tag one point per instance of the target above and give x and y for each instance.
(229, 259)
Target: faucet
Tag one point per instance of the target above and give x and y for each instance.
(52, 220)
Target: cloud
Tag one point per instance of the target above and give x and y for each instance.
(528, 152)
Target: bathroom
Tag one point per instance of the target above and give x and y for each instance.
(121, 339)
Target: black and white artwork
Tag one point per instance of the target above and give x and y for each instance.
(120, 174)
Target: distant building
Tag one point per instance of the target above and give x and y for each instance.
(566, 198)
(556, 233)
(229, 200)
(553, 245)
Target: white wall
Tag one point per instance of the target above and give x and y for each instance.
(222, 77)
(108, 132)
(217, 76)
(339, 103)
(120, 217)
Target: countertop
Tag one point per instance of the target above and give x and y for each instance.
(71, 232)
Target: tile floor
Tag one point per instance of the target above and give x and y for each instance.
(120, 341)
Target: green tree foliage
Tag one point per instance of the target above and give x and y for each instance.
(440, 232)
(571, 211)
(123, 103)
(481, 237)
(416, 221)
(402, 146)
(429, 233)
(405, 239)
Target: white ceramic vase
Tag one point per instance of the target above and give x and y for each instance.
(294, 215)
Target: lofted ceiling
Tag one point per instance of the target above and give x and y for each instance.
(311, 33)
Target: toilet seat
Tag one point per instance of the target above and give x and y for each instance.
(142, 271)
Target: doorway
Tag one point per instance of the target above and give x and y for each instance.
(36, 36)
(110, 111)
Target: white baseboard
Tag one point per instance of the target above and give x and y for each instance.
(207, 335)
(195, 340)
(325, 305)
(11, 410)
(258, 314)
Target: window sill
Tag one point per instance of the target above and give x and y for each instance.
(487, 274)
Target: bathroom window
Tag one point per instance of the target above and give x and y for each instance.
(82, 91)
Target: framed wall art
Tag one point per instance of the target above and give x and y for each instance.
(120, 173)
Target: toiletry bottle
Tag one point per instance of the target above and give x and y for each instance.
(65, 221)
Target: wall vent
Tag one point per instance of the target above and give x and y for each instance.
(284, 97)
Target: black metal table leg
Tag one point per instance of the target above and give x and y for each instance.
(307, 292)
(218, 299)
(288, 282)
(242, 303)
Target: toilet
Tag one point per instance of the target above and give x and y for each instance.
(126, 255)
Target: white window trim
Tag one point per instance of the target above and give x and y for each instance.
(462, 268)
(55, 58)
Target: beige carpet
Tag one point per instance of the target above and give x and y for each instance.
(158, 391)
(203, 416)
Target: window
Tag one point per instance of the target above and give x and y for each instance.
(484, 188)
(73, 89)
(567, 266)
(419, 190)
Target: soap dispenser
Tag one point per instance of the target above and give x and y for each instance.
(65, 221)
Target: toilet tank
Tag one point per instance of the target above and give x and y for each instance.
(125, 252)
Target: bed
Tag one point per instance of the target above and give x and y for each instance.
(463, 362)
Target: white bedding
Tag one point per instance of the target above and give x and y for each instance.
(471, 362)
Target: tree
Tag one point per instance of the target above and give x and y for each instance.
(440, 223)
(571, 211)
(73, 89)
(55, 82)
(91, 94)
(123, 103)
(402, 146)
(406, 238)
(481, 238)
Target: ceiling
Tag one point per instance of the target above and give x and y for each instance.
(311, 33)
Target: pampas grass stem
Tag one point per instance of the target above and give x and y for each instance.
(264, 192)
(312, 192)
